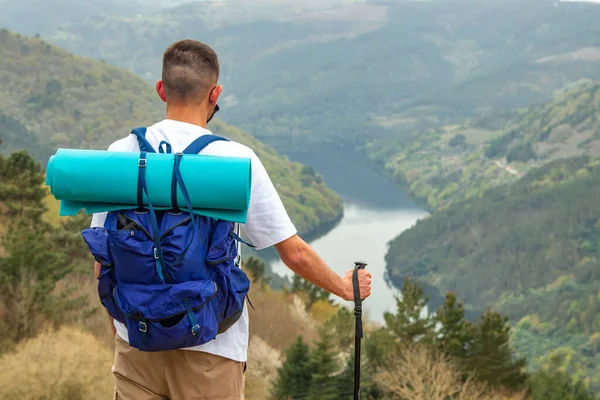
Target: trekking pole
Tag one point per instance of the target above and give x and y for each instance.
(358, 334)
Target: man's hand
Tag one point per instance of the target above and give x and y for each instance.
(364, 283)
(303, 260)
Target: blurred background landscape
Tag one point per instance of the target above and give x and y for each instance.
(454, 145)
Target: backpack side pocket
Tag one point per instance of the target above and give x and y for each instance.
(97, 240)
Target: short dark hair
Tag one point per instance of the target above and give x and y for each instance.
(190, 71)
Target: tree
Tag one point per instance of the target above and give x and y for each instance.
(21, 190)
(409, 324)
(314, 293)
(458, 140)
(294, 376)
(34, 256)
(256, 267)
(553, 384)
(491, 358)
(455, 337)
(419, 372)
(29, 273)
(323, 367)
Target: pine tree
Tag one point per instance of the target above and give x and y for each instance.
(294, 376)
(408, 324)
(29, 273)
(455, 337)
(324, 368)
(21, 190)
(492, 358)
(34, 256)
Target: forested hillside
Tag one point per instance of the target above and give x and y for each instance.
(301, 345)
(530, 248)
(444, 165)
(50, 98)
(425, 62)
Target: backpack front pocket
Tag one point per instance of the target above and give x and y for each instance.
(165, 317)
(134, 251)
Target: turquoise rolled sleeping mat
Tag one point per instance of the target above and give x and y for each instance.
(100, 181)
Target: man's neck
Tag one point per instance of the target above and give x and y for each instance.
(194, 116)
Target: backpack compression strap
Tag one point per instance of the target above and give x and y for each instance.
(197, 145)
(194, 148)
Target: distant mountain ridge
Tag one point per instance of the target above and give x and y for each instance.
(298, 74)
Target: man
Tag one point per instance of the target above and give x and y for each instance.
(216, 369)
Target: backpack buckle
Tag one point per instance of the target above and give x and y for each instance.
(143, 327)
(196, 329)
(155, 253)
(142, 163)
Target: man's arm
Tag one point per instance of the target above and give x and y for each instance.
(301, 258)
(97, 274)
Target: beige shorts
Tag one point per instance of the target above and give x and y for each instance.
(176, 375)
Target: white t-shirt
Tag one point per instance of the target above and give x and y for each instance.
(267, 221)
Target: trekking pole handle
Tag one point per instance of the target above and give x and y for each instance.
(357, 298)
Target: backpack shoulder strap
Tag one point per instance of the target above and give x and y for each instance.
(141, 137)
(197, 145)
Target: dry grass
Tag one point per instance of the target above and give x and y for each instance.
(263, 362)
(279, 318)
(416, 373)
(56, 365)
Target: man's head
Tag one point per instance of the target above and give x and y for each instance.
(189, 79)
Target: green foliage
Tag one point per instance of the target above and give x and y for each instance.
(455, 336)
(456, 70)
(480, 349)
(458, 140)
(409, 324)
(294, 376)
(543, 233)
(31, 263)
(323, 366)
(491, 357)
(313, 292)
(256, 267)
(521, 153)
(21, 190)
(551, 383)
(74, 102)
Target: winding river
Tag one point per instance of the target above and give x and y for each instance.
(375, 211)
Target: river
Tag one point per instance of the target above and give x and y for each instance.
(375, 211)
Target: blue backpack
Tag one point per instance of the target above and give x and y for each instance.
(172, 277)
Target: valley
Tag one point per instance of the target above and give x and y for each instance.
(454, 142)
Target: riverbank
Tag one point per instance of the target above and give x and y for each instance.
(375, 211)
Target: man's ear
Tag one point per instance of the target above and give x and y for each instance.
(214, 94)
(160, 90)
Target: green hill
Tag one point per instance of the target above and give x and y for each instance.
(50, 98)
(329, 70)
(530, 248)
(444, 165)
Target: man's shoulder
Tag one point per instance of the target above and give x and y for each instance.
(128, 143)
(229, 148)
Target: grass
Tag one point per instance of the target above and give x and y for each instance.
(67, 364)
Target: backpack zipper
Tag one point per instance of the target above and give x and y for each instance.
(140, 227)
(164, 234)
(175, 226)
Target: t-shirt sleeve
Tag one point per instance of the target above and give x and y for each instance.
(268, 222)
